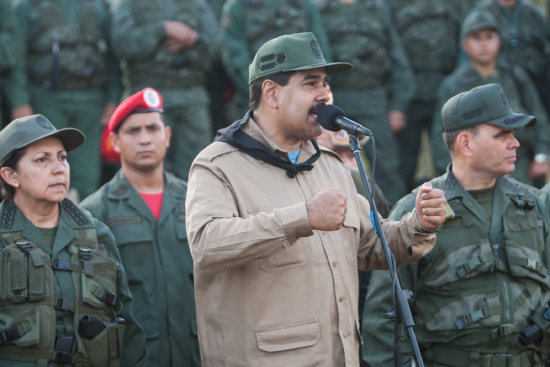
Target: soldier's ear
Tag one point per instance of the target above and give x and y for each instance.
(464, 143)
(9, 176)
(168, 133)
(270, 93)
(113, 137)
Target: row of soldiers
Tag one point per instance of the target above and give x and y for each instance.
(63, 60)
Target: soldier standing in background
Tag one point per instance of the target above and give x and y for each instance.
(7, 47)
(168, 45)
(481, 42)
(525, 40)
(429, 30)
(378, 89)
(66, 71)
(144, 207)
(247, 24)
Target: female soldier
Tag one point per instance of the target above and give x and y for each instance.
(64, 297)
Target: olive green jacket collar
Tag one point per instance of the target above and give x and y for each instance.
(173, 194)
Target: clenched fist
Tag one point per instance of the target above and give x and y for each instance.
(327, 210)
(430, 207)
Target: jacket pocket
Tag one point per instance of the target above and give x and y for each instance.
(105, 348)
(22, 328)
(277, 339)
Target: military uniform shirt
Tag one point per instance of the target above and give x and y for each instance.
(156, 257)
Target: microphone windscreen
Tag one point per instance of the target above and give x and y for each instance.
(327, 114)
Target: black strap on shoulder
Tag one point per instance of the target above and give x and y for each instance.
(234, 136)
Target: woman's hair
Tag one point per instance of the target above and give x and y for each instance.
(12, 160)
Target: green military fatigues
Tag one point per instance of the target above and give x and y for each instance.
(51, 295)
(381, 79)
(429, 30)
(523, 98)
(485, 281)
(67, 73)
(138, 37)
(248, 24)
(7, 44)
(524, 41)
(157, 260)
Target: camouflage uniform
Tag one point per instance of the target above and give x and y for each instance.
(485, 282)
(429, 30)
(138, 37)
(66, 72)
(522, 96)
(248, 24)
(381, 79)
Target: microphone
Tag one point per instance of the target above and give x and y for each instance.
(333, 118)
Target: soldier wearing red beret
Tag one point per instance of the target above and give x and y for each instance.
(144, 207)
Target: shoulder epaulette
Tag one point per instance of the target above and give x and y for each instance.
(74, 212)
(8, 214)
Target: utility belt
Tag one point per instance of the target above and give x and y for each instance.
(68, 84)
(444, 64)
(166, 77)
(459, 358)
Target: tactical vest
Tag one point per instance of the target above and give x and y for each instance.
(359, 34)
(267, 19)
(429, 30)
(483, 294)
(66, 47)
(28, 304)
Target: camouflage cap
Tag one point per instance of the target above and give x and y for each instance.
(291, 52)
(476, 21)
(484, 104)
(26, 130)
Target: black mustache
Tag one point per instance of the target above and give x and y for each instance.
(315, 108)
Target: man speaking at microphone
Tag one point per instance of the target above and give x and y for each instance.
(277, 230)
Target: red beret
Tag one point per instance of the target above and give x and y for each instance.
(146, 100)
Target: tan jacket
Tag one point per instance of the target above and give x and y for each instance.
(270, 291)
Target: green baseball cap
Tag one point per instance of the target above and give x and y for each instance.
(26, 130)
(486, 104)
(291, 52)
(476, 21)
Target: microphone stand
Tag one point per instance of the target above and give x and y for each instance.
(401, 315)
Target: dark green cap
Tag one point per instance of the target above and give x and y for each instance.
(291, 52)
(484, 104)
(476, 21)
(26, 130)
